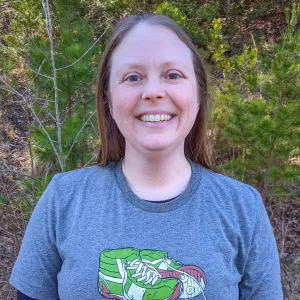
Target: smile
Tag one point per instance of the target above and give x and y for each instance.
(156, 118)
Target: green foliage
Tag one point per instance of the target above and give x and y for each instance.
(26, 15)
(25, 22)
(3, 200)
(218, 45)
(263, 119)
(120, 6)
(76, 67)
(74, 80)
(36, 187)
(170, 10)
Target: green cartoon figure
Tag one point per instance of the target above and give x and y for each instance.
(133, 274)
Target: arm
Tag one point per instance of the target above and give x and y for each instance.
(23, 297)
(261, 276)
(38, 263)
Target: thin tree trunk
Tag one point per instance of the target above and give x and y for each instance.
(57, 113)
(84, 120)
(29, 141)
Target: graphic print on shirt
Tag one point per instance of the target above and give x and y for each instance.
(133, 274)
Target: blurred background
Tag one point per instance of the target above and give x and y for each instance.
(49, 53)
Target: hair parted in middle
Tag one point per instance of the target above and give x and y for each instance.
(112, 146)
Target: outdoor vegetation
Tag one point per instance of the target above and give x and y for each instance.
(49, 55)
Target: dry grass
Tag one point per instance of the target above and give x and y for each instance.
(285, 218)
(13, 159)
(12, 226)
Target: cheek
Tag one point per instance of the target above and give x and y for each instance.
(187, 98)
(123, 102)
(189, 105)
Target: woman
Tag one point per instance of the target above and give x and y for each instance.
(153, 222)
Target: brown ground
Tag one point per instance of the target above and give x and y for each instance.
(13, 158)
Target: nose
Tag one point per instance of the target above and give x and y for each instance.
(153, 89)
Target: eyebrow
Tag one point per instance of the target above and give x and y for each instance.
(140, 66)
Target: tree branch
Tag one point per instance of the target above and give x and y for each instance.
(94, 157)
(13, 91)
(96, 132)
(48, 136)
(38, 73)
(10, 91)
(79, 133)
(46, 7)
(23, 63)
(40, 50)
(86, 52)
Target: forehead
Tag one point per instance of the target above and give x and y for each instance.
(147, 43)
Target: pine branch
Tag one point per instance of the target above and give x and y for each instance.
(40, 50)
(86, 52)
(86, 164)
(96, 132)
(38, 73)
(75, 139)
(48, 136)
(251, 145)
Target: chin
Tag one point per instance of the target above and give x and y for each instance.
(155, 148)
(158, 145)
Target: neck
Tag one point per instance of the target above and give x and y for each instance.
(157, 175)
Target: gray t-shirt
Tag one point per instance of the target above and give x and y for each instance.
(91, 237)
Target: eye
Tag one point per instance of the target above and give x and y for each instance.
(174, 76)
(132, 78)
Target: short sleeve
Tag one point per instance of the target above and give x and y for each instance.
(38, 263)
(261, 277)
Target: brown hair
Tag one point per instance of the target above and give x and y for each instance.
(112, 141)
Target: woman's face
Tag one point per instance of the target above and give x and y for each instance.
(153, 90)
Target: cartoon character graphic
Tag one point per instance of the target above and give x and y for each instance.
(133, 274)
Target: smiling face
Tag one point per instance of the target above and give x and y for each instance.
(153, 89)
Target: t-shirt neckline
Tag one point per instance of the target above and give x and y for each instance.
(162, 207)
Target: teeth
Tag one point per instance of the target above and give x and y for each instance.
(155, 118)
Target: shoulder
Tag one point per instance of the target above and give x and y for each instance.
(85, 176)
(229, 194)
(75, 187)
(236, 206)
(228, 184)
(72, 193)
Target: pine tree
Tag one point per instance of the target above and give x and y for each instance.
(264, 118)
(60, 115)
(73, 37)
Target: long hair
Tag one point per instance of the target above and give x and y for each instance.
(112, 146)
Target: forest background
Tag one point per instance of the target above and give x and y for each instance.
(49, 53)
